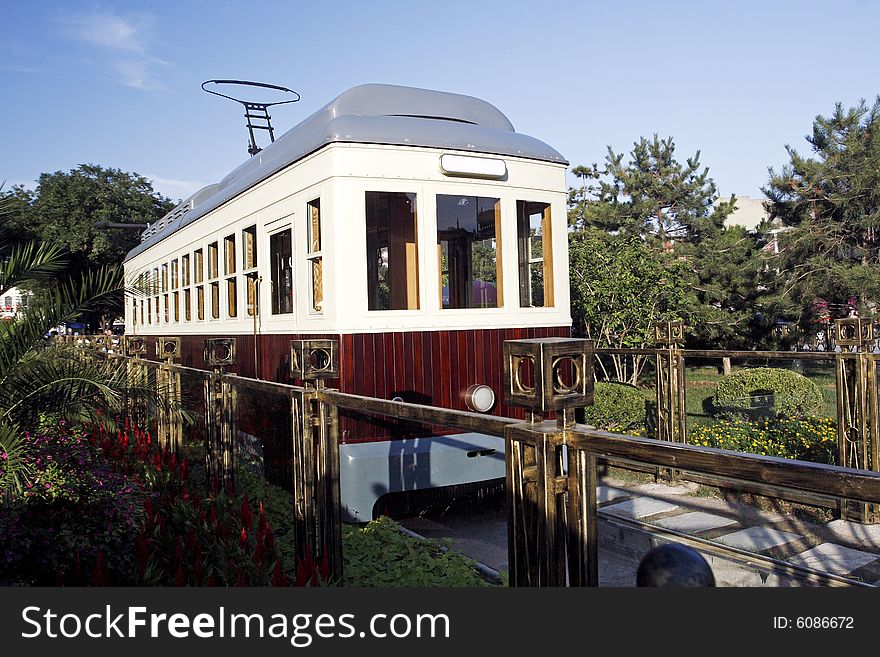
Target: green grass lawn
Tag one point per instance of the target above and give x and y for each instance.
(701, 381)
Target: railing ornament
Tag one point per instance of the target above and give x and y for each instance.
(314, 360)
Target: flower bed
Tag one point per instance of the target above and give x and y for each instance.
(105, 509)
(76, 520)
(805, 439)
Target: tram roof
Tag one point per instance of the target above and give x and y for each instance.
(366, 114)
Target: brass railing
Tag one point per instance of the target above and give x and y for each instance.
(856, 390)
(551, 465)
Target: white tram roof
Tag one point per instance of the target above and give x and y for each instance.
(366, 114)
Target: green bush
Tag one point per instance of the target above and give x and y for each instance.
(616, 407)
(766, 392)
(379, 554)
(805, 439)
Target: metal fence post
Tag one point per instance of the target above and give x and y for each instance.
(318, 524)
(858, 425)
(671, 412)
(551, 516)
(220, 413)
(136, 379)
(170, 432)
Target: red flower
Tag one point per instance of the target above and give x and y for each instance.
(141, 546)
(263, 523)
(197, 570)
(179, 578)
(278, 578)
(191, 539)
(99, 573)
(247, 517)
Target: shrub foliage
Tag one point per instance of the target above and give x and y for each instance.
(616, 407)
(767, 392)
(379, 554)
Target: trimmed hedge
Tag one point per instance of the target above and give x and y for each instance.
(767, 392)
(616, 407)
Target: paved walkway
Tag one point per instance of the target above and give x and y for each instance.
(839, 547)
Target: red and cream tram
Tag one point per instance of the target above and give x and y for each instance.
(415, 227)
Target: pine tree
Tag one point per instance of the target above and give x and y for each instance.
(651, 195)
(673, 211)
(830, 205)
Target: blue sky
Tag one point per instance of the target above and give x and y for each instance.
(117, 83)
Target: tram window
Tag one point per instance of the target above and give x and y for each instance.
(469, 245)
(156, 308)
(184, 270)
(142, 311)
(199, 266)
(392, 251)
(213, 268)
(232, 297)
(253, 306)
(315, 257)
(187, 305)
(154, 282)
(176, 306)
(215, 300)
(149, 312)
(281, 256)
(249, 247)
(535, 254)
(229, 255)
(200, 302)
(167, 308)
(164, 278)
(175, 278)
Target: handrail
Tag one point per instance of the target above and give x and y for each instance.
(820, 478)
(716, 353)
(488, 424)
(827, 480)
(552, 502)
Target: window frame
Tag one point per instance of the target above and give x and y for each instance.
(250, 271)
(524, 267)
(500, 205)
(412, 254)
(315, 256)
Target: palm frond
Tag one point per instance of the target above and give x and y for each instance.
(56, 381)
(62, 304)
(32, 261)
(14, 469)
